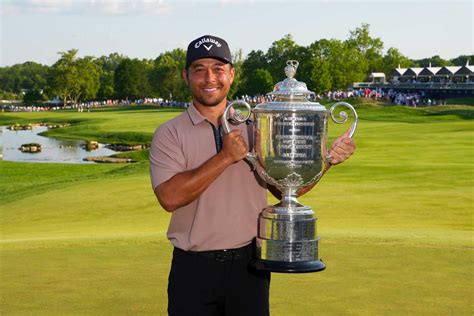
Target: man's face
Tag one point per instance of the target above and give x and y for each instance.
(209, 80)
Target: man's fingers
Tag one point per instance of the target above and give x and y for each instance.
(344, 136)
(342, 148)
(341, 152)
(235, 132)
(235, 146)
(240, 140)
(347, 132)
(344, 142)
(347, 143)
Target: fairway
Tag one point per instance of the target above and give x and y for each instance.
(395, 222)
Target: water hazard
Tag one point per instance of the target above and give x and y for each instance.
(52, 150)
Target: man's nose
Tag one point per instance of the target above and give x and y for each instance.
(210, 76)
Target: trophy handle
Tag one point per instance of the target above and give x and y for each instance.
(343, 116)
(237, 118)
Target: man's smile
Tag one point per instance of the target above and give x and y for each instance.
(210, 89)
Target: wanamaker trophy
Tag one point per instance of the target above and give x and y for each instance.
(289, 153)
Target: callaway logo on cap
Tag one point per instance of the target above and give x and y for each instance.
(208, 46)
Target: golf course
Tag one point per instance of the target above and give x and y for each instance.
(395, 220)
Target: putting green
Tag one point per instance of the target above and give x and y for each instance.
(395, 222)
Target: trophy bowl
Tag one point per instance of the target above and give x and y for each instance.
(289, 153)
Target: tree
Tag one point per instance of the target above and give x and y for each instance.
(279, 52)
(319, 76)
(237, 61)
(462, 59)
(111, 62)
(393, 59)
(356, 66)
(131, 79)
(87, 80)
(259, 82)
(255, 60)
(370, 47)
(26, 76)
(74, 79)
(106, 89)
(108, 64)
(435, 61)
(167, 75)
(63, 76)
(33, 97)
(329, 67)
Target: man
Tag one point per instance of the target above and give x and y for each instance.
(200, 176)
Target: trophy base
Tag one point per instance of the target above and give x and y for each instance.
(287, 241)
(290, 267)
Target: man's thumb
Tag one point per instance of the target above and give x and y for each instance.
(236, 132)
(346, 133)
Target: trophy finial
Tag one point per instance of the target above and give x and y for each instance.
(290, 69)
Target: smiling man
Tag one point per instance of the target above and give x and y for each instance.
(215, 198)
(199, 175)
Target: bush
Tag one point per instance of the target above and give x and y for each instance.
(33, 97)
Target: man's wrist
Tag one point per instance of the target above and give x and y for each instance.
(327, 162)
(225, 158)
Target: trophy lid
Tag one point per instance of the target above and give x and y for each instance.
(290, 94)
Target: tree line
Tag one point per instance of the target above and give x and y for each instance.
(325, 65)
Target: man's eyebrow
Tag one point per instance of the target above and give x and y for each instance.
(197, 65)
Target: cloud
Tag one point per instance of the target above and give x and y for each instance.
(102, 7)
(117, 7)
(48, 6)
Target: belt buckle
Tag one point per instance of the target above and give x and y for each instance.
(223, 255)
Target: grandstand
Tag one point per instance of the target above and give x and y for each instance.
(438, 82)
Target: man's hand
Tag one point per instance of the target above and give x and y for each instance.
(234, 147)
(185, 187)
(342, 148)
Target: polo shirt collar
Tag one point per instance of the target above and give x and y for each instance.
(194, 115)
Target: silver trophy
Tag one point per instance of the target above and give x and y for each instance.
(289, 153)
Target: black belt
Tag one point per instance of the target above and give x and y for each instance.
(225, 254)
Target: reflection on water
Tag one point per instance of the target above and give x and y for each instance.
(53, 150)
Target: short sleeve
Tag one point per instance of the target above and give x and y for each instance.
(166, 156)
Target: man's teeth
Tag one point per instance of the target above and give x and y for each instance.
(210, 89)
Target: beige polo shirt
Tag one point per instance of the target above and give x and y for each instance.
(225, 215)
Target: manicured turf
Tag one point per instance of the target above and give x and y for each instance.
(395, 222)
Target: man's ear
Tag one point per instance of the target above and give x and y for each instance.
(232, 74)
(185, 76)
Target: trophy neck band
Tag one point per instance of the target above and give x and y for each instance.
(289, 197)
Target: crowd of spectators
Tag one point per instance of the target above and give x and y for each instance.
(90, 105)
(145, 101)
(413, 99)
(394, 97)
(25, 108)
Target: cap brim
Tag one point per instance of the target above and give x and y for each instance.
(213, 57)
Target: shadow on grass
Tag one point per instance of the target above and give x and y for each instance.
(139, 108)
(10, 120)
(138, 155)
(461, 113)
(129, 138)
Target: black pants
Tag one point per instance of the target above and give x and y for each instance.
(201, 285)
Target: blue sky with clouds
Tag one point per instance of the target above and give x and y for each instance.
(37, 29)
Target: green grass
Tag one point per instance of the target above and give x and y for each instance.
(395, 220)
(108, 125)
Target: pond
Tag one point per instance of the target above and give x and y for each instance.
(53, 150)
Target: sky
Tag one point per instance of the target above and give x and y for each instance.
(36, 30)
